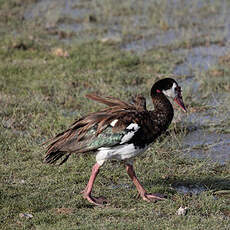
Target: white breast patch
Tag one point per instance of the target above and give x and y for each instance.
(122, 152)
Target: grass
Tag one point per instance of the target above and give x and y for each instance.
(43, 93)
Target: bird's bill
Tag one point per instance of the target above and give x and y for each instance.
(178, 99)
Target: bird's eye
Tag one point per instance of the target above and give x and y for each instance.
(178, 89)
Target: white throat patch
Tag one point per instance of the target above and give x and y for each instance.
(171, 92)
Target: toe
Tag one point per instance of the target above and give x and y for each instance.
(98, 201)
(156, 197)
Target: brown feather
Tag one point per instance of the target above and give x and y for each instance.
(109, 101)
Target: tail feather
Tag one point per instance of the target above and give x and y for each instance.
(52, 157)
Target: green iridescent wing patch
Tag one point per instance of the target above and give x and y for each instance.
(105, 139)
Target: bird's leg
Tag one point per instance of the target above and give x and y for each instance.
(140, 188)
(87, 191)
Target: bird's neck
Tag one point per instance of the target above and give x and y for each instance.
(162, 109)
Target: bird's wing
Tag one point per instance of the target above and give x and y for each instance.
(114, 125)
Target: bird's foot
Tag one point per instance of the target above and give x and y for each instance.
(153, 197)
(98, 201)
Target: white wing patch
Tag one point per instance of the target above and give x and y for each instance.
(171, 92)
(133, 127)
(127, 137)
(113, 123)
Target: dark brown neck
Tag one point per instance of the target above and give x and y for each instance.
(163, 109)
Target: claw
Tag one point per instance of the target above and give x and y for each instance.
(98, 201)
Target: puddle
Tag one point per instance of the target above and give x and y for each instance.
(56, 9)
(62, 15)
(215, 113)
(145, 44)
(204, 145)
(82, 16)
(189, 189)
(210, 139)
(199, 59)
(205, 119)
(45, 10)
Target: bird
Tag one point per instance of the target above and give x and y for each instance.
(120, 131)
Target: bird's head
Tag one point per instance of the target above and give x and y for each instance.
(170, 88)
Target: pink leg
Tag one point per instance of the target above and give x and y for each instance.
(140, 188)
(87, 191)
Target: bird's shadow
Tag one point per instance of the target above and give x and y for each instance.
(209, 183)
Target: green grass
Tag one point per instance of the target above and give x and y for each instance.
(42, 94)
